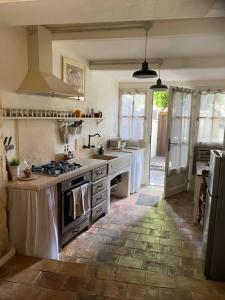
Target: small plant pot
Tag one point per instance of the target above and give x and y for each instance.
(15, 171)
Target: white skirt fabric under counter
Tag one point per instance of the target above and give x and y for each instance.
(33, 222)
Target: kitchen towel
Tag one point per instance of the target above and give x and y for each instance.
(85, 192)
(76, 207)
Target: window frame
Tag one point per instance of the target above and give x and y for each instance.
(212, 118)
(135, 92)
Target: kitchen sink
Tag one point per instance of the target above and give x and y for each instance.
(103, 157)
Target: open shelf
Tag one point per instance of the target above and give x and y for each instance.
(115, 181)
(98, 120)
(114, 185)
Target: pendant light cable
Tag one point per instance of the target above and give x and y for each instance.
(145, 72)
(146, 40)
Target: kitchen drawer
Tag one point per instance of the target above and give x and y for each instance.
(99, 186)
(98, 211)
(83, 222)
(119, 163)
(102, 196)
(99, 173)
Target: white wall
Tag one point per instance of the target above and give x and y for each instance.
(38, 141)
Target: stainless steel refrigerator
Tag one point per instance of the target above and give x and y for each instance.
(214, 221)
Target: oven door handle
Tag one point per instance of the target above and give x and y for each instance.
(75, 186)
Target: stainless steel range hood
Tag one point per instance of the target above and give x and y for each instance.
(39, 79)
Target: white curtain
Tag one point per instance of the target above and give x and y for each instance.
(179, 132)
(211, 118)
(132, 114)
(33, 222)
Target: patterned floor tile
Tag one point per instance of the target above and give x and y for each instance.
(154, 267)
(145, 255)
(141, 292)
(134, 252)
(160, 280)
(130, 275)
(136, 244)
(129, 262)
(174, 294)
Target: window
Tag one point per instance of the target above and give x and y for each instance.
(211, 118)
(132, 116)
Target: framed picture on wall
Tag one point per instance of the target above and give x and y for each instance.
(73, 73)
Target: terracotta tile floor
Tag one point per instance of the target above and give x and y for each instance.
(135, 252)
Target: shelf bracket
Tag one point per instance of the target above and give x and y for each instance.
(98, 121)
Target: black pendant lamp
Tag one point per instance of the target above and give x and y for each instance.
(145, 72)
(159, 86)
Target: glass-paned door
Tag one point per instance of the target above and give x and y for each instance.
(178, 133)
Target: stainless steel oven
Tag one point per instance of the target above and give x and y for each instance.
(68, 226)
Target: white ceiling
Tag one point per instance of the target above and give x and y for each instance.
(84, 11)
(181, 46)
(25, 12)
(185, 46)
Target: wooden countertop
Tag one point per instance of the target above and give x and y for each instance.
(44, 181)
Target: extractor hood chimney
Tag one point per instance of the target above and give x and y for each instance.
(39, 79)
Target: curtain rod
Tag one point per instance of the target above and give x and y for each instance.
(182, 90)
(133, 91)
(209, 91)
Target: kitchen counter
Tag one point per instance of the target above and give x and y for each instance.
(36, 231)
(43, 181)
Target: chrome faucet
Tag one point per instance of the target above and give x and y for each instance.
(89, 146)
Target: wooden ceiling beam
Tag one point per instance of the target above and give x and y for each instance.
(166, 64)
(136, 29)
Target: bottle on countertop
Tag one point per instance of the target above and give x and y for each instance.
(101, 150)
(97, 148)
(66, 150)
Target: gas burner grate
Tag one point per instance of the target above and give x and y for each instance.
(55, 168)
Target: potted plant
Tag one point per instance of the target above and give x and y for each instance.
(15, 167)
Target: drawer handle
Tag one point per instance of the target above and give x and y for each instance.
(76, 230)
(99, 173)
(99, 210)
(99, 198)
(99, 186)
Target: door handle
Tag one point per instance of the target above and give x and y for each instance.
(171, 143)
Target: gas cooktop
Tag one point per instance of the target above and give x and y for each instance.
(55, 168)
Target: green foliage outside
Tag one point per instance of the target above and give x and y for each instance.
(160, 100)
